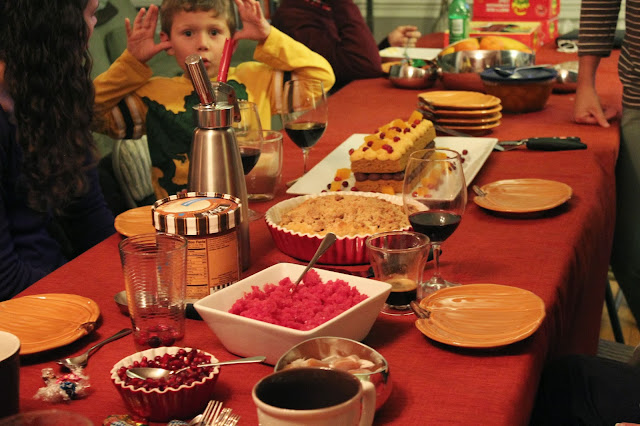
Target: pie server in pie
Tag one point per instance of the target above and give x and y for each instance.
(543, 144)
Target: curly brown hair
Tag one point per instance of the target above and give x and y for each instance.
(169, 8)
(47, 74)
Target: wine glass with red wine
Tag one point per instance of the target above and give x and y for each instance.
(249, 138)
(305, 113)
(434, 197)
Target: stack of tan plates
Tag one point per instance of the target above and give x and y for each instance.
(461, 110)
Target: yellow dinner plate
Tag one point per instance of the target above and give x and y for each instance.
(47, 321)
(458, 99)
(481, 315)
(523, 195)
(135, 221)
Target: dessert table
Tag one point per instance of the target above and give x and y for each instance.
(562, 256)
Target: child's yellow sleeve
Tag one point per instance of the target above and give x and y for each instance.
(281, 52)
(119, 84)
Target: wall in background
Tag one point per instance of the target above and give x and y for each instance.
(388, 14)
(424, 13)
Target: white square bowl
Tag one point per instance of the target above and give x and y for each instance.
(249, 337)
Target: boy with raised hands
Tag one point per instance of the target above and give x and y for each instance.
(130, 102)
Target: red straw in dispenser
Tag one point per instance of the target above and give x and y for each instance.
(225, 60)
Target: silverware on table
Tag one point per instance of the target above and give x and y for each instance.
(157, 373)
(81, 360)
(420, 312)
(479, 192)
(544, 144)
(326, 243)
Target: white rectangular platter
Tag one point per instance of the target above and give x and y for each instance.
(413, 53)
(317, 179)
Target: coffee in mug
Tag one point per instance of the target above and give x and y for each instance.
(9, 373)
(313, 397)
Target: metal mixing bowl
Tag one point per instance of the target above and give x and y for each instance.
(323, 347)
(121, 300)
(461, 70)
(409, 77)
(567, 79)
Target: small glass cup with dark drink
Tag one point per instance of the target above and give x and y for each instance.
(434, 196)
(399, 258)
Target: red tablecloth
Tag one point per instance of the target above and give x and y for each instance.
(561, 256)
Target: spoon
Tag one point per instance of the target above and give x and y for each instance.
(479, 191)
(196, 421)
(156, 373)
(327, 242)
(81, 360)
(418, 310)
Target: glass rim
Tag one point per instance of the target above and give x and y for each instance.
(423, 240)
(146, 238)
(305, 79)
(419, 154)
(266, 132)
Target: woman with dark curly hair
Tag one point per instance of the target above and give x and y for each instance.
(51, 205)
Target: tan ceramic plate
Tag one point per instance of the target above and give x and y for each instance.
(481, 315)
(386, 66)
(135, 221)
(489, 118)
(523, 195)
(458, 99)
(464, 127)
(47, 321)
(459, 113)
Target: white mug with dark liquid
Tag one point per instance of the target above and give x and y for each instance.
(314, 397)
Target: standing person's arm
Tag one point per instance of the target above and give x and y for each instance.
(587, 107)
(598, 19)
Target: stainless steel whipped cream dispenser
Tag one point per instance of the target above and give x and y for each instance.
(215, 164)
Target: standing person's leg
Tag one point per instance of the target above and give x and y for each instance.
(587, 390)
(625, 257)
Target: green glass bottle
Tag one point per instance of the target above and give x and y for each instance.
(459, 18)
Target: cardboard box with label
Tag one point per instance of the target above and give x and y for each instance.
(515, 10)
(529, 33)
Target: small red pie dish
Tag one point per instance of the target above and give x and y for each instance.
(347, 250)
(164, 405)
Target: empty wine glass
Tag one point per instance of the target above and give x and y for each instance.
(305, 113)
(249, 137)
(434, 197)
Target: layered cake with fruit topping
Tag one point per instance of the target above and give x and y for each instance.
(378, 164)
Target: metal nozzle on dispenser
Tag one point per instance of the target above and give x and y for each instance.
(200, 79)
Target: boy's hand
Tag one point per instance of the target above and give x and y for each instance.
(140, 41)
(254, 25)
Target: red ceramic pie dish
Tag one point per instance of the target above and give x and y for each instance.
(347, 250)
